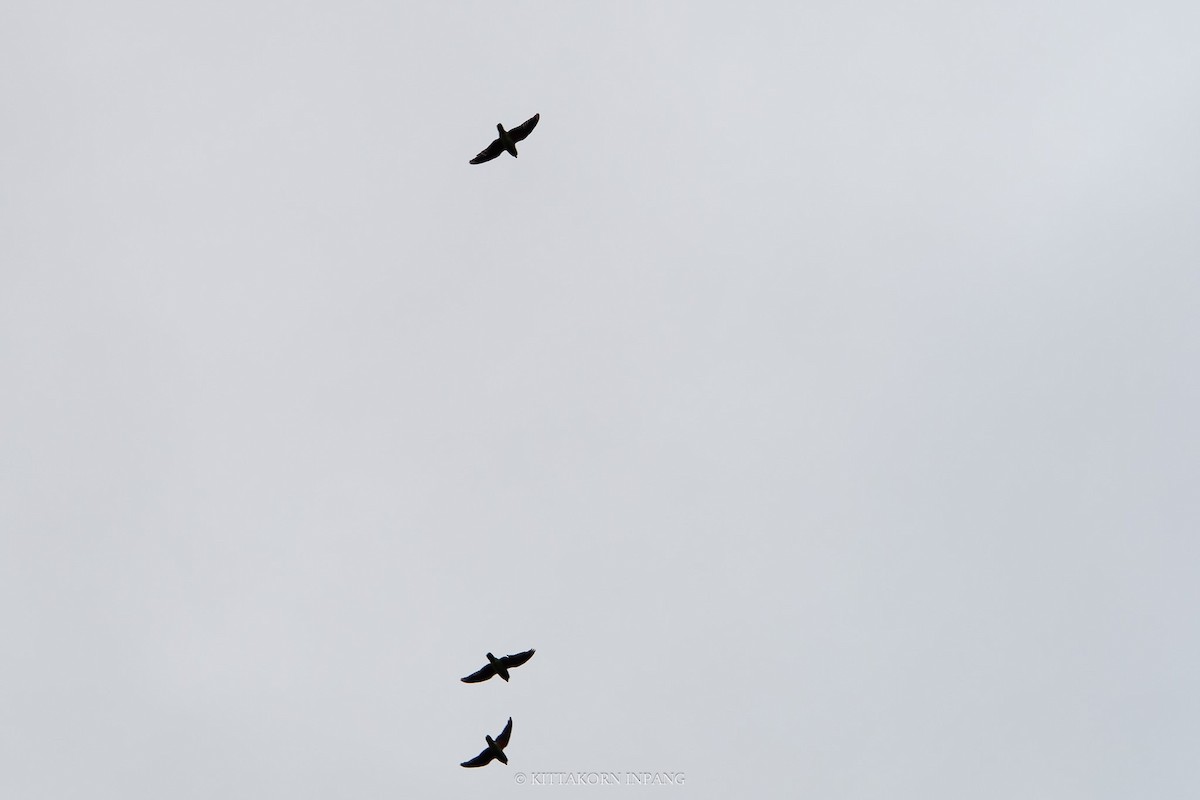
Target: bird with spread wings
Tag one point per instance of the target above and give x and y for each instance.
(507, 140)
(498, 666)
(494, 750)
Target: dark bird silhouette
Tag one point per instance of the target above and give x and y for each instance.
(495, 749)
(507, 140)
(498, 666)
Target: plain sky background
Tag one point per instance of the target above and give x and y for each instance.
(817, 393)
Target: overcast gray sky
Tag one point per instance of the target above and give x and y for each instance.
(817, 393)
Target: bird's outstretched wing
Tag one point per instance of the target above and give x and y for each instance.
(487, 671)
(516, 660)
(488, 153)
(525, 128)
(505, 735)
(480, 760)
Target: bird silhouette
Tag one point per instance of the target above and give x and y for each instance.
(507, 140)
(495, 749)
(498, 666)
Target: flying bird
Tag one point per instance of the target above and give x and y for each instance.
(495, 749)
(507, 140)
(498, 666)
